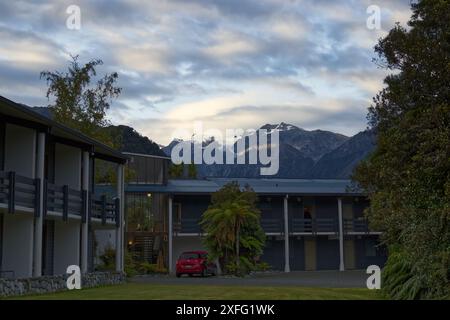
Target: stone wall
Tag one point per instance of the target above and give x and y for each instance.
(48, 284)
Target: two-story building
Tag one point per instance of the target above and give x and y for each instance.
(309, 224)
(49, 212)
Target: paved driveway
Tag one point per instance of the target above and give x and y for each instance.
(324, 279)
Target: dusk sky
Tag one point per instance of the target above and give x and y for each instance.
(230, 64)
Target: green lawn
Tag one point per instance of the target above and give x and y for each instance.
(139, 291)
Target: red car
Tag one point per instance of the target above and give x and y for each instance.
(194, 262)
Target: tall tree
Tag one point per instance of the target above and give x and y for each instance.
(408, 175)
(231, 224)
(80, 104)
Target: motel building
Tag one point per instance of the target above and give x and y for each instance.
(309, 224)
(49, 212)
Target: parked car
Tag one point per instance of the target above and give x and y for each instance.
(195, 262)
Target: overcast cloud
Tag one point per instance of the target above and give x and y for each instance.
(229, 63)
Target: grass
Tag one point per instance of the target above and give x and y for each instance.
(141, 291)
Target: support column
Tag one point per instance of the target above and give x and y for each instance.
(286, 235)
(341, 236)
(39, 219)
(120, 228)
(85, 225)
(170, 235)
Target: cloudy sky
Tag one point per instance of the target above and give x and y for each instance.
(229, 63)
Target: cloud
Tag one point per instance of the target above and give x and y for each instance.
(228, 63)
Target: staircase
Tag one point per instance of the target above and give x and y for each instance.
(142, 248)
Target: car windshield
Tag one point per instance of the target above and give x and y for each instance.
(187, 256)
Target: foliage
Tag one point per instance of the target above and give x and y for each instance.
(108, 259)
(176, 170)
(192, 171)
(408, 175)
(129, 264)
(234, 234)
(78, 104)
(149, 268)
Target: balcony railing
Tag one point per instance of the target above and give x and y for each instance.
(356, 225)
(299, 225)
(272, 225)
(64, 200)
(17, 190)
(105, 209)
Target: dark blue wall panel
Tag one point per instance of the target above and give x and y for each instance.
(296, 254)
(274, 254)
(327, 254)
(368, 252)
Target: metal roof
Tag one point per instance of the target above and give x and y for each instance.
(21, 111)
(260, 186)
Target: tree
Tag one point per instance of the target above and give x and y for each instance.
(234, 235)
(408, 175)
(192, 171)
(176, 170)
(79, 104)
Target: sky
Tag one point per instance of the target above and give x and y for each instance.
(229, 64)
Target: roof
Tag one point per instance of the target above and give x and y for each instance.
(27, 114)
(260, 186)
(145, 155)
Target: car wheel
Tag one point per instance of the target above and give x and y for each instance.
(178, 275)
(190, 274)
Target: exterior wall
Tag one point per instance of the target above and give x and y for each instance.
(349, 254)
(20, 159)
(297, 253)
(326, 207)
(327, 253)
(68, 166)
(48, 247)
(310, 254)
(273, 253)
(104, 239)
(17, 245)
(181, 244)
(67, 245)
(369, 252)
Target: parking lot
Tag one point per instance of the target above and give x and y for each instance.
(320, 279)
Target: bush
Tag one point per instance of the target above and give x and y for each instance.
(149, 268)
(108, 259)
(130, 265)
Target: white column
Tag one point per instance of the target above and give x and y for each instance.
(286, 235)
(85, 226)
(119, 230)
(170, 235)
(39, 221)
(341, 236)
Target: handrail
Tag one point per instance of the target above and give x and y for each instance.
(356, 225)
(105, 209)
(272, 225)
(314, 225)
(19, 190)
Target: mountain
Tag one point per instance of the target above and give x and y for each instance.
(340, 162)
(130, 139)
(303, 154)
(133, 141)
(316, 154)
(312, 144)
